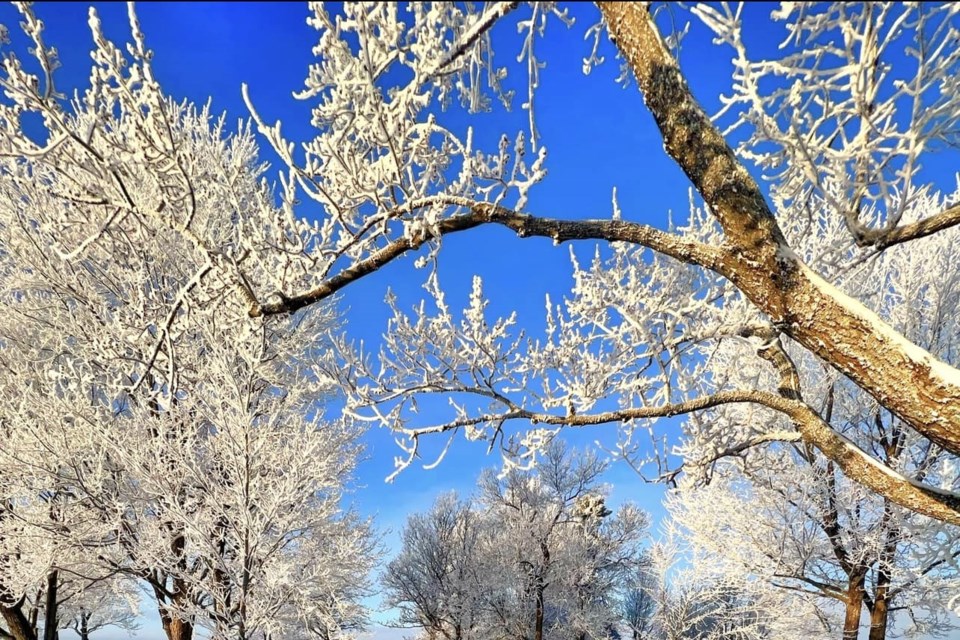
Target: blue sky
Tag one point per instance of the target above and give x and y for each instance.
(598, 135)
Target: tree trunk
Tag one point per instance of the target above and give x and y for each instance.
(878, 618)
(177, 629)
(851, 621)
(84, 629)
(538, 617)
(174, 627)
(841, 331)
(880, 611)
(541, 588)
(51, 606)
(844, 333)
(17, 623)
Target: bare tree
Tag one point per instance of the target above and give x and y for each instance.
(538, 555)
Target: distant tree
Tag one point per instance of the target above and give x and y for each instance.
(638, 604)
(538, 555)
(435, 581)
(95, 607)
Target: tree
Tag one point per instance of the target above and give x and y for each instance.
(392, 179)
(821, 532)
(638, 604)
(94, 607)
(537, 555)
(435, 580)
(564, 556)
(638, 325)
(776, 533)
(692, 604)
(151, 430)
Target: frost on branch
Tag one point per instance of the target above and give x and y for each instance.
(863, 93)
(630, 330)
(383, 165)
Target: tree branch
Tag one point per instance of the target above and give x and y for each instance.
(881, 239)
(854, 462)
(524, 225)
(764, 438)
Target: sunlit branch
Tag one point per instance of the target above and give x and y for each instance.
(524, 225)
(883, 238)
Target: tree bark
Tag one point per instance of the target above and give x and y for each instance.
(880, 609)
(540, 590)
(180, 630)
(17, 623)
(538, 616)
(879, 616)
(854, 607)
(174, 627)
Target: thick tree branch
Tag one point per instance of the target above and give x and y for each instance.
(690, 137)
(855, 463)
(835, 327)
(825, 588)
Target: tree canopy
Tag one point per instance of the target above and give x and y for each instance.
(168, 311)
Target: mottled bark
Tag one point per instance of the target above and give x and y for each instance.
(175, 627)
(180, 630)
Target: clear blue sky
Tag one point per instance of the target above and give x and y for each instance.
(598, 136)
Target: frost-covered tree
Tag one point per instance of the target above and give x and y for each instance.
(536, 555)
(691, 604)
(436, 580)
(151, 429)
(798, 529)
(68, 590)
(563, 553)
(645, 317)
(841, 118)
(785, 510)
(87, 609)
(637, 603)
